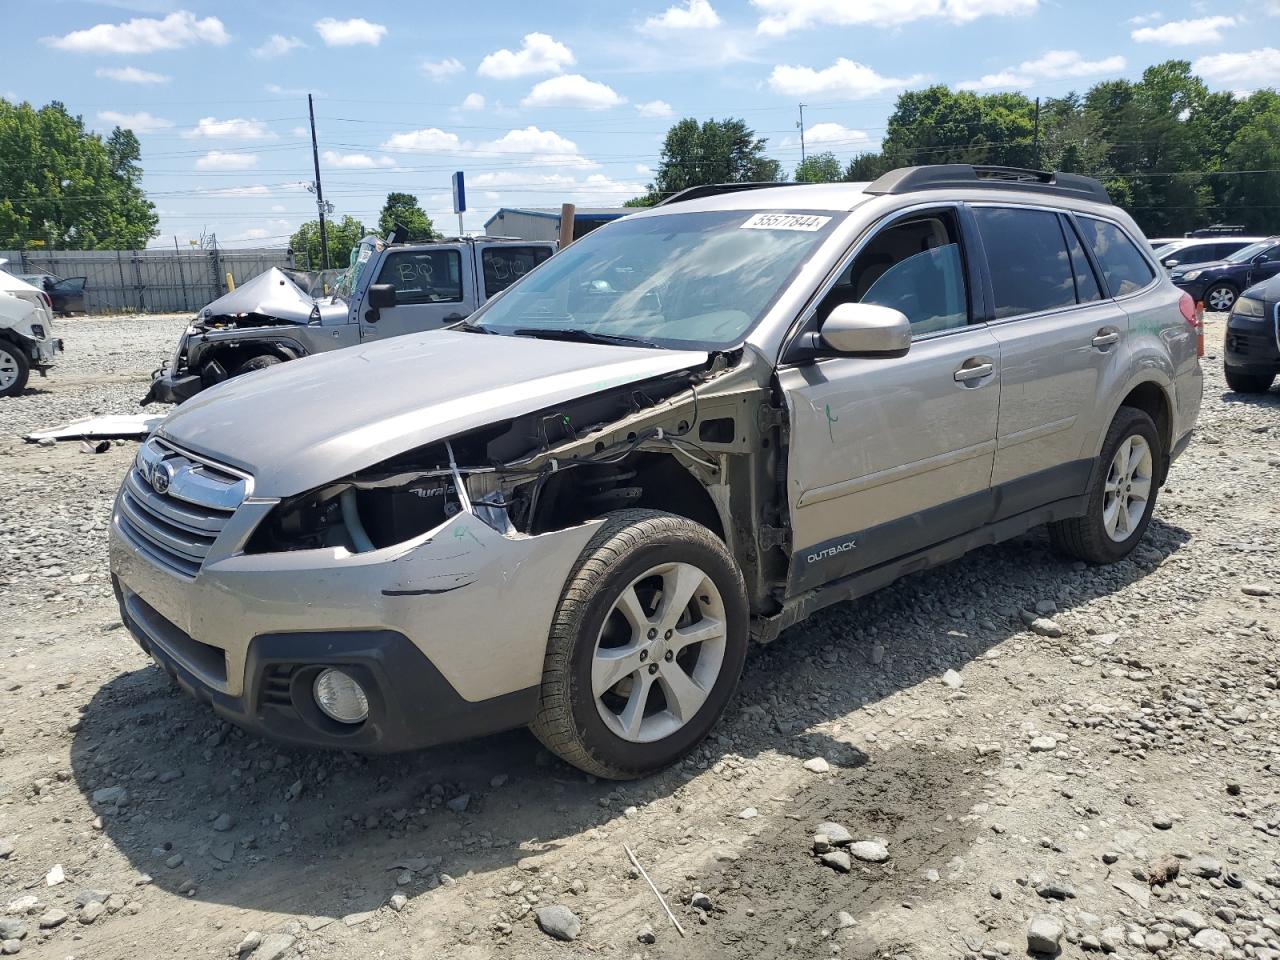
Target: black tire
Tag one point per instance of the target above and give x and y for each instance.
(1248, 382)
(1228, 293)
(1085, 538)
(628, 544)
(14, 358)
(260, 362)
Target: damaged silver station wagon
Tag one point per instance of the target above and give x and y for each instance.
(690, 429)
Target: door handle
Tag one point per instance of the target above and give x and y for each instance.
(1106, 337)
(974, 368)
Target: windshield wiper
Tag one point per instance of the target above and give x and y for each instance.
(579, 335)
(466, 326)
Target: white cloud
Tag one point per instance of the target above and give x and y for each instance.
(518, 178)
(355, 161)
(693, 15)
(278, 208)
(1144, 18)
(599, 190)
(545, 146)
(1181, 33)
(235, 129)
(137, 122)
(539, 53)
(654, 108)
(144, 35)
(835, 134)
(430, 139)
(473, 101)
(218, 160)
(784, 16)
(573, 90)
(644, 170)
(130, 75)
(844, 78)
(440, 69)
(348, 33)
(279, 91)
(277, 45)
(256, 233)
(1246, 70)
(256, 190)
(1054, 65)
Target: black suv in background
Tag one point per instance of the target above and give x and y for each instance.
(1219, 283)
(1252, 356)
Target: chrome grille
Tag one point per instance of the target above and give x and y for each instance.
(174, 504)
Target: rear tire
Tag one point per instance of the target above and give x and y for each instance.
(1248, 382)
(15, 369)
(260, 362)
(626, 690)
(1121, 496)
(1220, 297)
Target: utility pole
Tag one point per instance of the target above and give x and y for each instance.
(319, 191)
(801, 126)
(1037, 133)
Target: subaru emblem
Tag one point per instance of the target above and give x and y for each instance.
(161, 477)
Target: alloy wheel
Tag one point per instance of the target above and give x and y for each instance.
(659, 652)
(1127, 489)
(1221, 299)
(9, 370)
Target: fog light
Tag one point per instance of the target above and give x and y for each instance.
(340, 696)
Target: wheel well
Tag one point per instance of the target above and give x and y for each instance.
(1150, 398)
(652, 480)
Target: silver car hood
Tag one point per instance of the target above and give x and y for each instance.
(310, 421)
(271, 294)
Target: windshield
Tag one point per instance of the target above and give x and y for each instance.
(679, 280)
(1245, 254)
(360, 255)
(1163, 251)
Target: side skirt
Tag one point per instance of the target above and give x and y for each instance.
(799, 607)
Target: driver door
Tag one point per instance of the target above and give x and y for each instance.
(434, 285)
(890, 455)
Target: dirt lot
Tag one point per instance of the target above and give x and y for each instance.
(1061, 772)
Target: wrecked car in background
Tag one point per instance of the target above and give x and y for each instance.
(26, 333)
(694, 426)
(389, 289)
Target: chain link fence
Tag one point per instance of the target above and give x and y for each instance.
(149, 281)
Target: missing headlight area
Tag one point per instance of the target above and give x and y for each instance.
(635, 445)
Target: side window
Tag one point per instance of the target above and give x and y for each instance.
(1027, 255)
(1123, 266)
(1087, 289)
(503, 266)
(423, 276)
(914, 266)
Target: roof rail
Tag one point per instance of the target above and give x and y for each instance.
(951, 175)
(714, 190)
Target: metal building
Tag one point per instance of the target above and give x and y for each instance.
(543, 223)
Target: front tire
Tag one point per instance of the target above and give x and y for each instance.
(1220, 297)
(646, 648)
(15, 369)
(261, 362)
(1122, 495)
(1248, 382)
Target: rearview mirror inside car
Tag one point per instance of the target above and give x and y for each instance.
(866, 330)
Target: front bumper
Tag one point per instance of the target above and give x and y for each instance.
(1252, 344)
(449, 629)
(168, 388)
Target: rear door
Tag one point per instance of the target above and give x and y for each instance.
(502, 264)
(889, 455)
(1059, 336)
(435, 286)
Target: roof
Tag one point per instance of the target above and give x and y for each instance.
(553, 213)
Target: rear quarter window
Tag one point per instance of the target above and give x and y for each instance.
(1123, 266)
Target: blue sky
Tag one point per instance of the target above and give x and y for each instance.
(546, 102)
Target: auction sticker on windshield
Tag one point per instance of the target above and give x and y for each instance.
(786, 221)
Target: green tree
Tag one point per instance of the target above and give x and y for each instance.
(819, 168)
(715, 151)
(866, 167)
(64, 187)
(938, 125)
(344, 235)
(403, 209)
(1253, 199)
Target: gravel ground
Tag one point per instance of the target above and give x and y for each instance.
(921, 774)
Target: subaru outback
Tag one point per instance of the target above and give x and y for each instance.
(685, 432)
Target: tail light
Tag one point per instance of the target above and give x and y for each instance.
(48, 300)
(1193, 313)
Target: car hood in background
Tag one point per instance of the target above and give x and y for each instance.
(1179, 271)
(310, 421)
(270, 294)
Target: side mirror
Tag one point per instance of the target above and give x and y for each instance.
(382, 296)
(1261, 259)
(866, 330)
(1171, 264)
